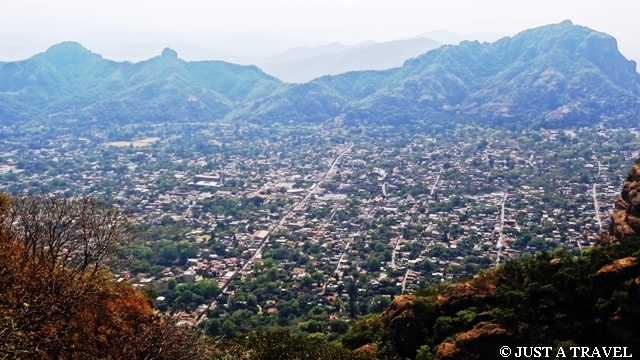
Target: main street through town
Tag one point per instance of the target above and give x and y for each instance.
(284, 218)
(499, 241)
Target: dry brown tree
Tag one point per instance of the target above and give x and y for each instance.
(57, 298)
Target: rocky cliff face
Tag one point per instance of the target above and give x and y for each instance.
(625, 220)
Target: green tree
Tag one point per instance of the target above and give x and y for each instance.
(252, 300)
(213, 327)
(312, 326)
(338, 326)
(374, 264)
(318, 337)
(318, 277)
(168, 252)
(379, 304)
(229, 328)
(172, 284)
(352, 291)
(306, 281)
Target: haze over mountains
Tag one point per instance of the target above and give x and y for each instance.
(131, 45)
(289, 59)
(302, 64)
(553, 76)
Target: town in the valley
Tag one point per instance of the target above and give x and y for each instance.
(304, 225)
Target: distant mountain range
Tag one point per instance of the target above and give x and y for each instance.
(553, 76)
(301, 65)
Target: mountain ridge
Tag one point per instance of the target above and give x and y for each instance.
(553, 76)
(70, 80)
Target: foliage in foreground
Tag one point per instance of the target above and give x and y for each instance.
(58, 299)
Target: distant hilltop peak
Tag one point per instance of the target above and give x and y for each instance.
(169, 53)
(68, 53)
(67, 47)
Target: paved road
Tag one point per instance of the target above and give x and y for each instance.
(595, 199)
(395, 249)
(499, 241)
(324, 223)
(433, 188)
(393, 254)
(337, 270)
(404, 281)
(597, 206)
(344, 250)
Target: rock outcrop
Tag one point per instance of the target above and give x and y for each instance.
(408, 318)
(460, 296)
(482, 342)
(612, 275)
(625, 219)
(367, 350)
(412, 318)
(616, 271)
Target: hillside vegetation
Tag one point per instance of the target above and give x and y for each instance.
(58, 299)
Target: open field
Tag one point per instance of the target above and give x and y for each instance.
(8, 168)
(136, 143)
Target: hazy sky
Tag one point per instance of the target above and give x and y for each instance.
(347, 21)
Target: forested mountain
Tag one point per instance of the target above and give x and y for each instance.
(553, 76)
(68, 81)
